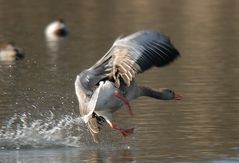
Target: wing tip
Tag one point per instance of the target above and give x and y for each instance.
(158, 51)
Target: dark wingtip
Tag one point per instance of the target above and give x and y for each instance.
(158, 51)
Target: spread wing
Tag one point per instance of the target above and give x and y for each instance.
(134, 54)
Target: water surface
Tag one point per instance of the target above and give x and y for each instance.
(39, 119)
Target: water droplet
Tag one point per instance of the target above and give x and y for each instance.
(34, 106)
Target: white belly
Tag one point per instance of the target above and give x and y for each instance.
(106, 100)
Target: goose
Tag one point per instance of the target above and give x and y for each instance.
(9, 52)
(56, 30)
(110, 83)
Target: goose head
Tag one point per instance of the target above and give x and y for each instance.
(168, 94)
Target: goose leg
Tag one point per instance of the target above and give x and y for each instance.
(124, 100)
(124, 132)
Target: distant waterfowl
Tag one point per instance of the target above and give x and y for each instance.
(110, 83)
(56, 30)
(9, 52)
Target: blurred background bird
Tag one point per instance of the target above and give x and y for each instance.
(56, 30)
(9, 52)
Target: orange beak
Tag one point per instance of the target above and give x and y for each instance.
(178, 97)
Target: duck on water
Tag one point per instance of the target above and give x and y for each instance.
(56, 30)
(109, 84)
(9, 52)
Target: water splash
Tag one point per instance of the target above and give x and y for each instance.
(26, 131)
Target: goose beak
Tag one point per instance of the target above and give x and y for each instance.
(178, 96)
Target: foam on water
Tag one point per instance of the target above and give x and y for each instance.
(48, 130)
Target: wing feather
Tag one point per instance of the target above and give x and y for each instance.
(135, 54)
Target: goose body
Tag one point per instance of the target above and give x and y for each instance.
(109, 84)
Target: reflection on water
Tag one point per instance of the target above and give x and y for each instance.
(53, 45)
(62, 155)
(38, 106)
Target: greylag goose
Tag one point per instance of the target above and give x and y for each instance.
(109, 84)
(9, 52)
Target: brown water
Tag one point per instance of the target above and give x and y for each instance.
(39, 111)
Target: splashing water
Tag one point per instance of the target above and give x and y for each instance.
(23, 131)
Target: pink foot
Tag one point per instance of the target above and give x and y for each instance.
(124, 132)
(127, 132)
(125, 101)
